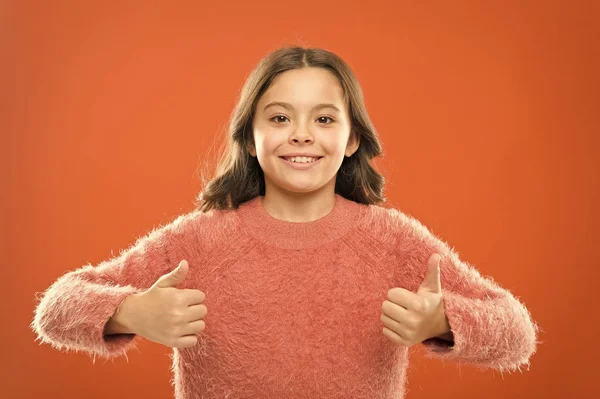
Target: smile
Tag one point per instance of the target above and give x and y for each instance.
(301, 165)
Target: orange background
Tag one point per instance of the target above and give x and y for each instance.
(487, 112)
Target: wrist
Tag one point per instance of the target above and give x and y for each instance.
(445, 331)
(120, 322)
(442, 325)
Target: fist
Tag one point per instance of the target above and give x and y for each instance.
(411, 318)
(168, 315)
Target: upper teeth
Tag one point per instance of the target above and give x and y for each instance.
(301, 159)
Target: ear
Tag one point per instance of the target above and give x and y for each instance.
(353, 144)
(250, 148)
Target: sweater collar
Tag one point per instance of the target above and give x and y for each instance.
(258, 223)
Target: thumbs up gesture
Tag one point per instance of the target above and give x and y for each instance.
(411, 318)
(168, 315)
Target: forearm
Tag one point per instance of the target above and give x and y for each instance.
(73, 313)
(497, 333)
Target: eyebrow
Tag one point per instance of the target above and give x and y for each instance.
(290, 107)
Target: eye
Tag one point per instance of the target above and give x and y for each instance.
(321, 119)
(277, 116)
(326, 117)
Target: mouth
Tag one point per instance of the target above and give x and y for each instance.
(287, 159)
(302, 165)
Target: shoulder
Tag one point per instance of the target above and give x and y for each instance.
(393, 227)
(383, 220)
(204, 230)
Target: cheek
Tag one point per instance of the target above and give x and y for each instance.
(333, 146)
(266, 146)
(262, 139)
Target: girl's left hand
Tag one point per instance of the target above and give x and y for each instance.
(411, 318)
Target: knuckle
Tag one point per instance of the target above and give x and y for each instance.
(176, 316)
(180, 299)
(177, 332)
(419, 307)
(411, 324)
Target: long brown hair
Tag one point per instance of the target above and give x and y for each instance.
(239, 177)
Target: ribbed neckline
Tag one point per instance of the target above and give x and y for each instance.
(258, 223)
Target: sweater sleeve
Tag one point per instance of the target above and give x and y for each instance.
(72, 313)
(490, 327)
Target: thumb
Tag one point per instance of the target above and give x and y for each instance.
(174, 277)
(432, 283)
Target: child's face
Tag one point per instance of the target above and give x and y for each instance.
(300, 127)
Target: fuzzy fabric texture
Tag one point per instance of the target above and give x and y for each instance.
(293, 308)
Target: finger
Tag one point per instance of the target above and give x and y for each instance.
(174, 277)
(403, 297)
(395, 338)
(394, 311)
(186, 341)
(431, 282)
(193, 328)
(394, 326)
(193, 297)
(196, 312)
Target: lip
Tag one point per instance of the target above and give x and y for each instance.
(296, 154)
(301, 166)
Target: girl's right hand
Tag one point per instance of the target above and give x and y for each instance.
(165, 314)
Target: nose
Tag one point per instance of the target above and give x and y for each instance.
(305, 140)
(301, 135)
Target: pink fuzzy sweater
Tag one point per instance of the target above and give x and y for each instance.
(293, 308)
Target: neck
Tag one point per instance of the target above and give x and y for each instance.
(299, 207)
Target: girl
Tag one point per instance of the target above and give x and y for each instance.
(315, 287)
